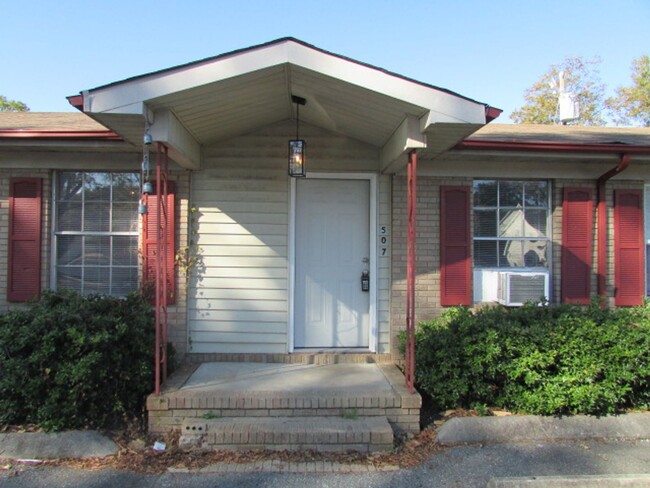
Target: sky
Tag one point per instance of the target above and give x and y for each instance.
(488, 50)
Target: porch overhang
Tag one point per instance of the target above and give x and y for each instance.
(197, 104)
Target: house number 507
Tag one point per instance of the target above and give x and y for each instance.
(384, 240)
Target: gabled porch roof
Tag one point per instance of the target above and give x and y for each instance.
(207, 101)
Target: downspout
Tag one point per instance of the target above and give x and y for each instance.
(603, 224)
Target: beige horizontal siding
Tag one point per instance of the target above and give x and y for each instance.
(244, 347)
(239, 295)
(257, 316)
(239, 304)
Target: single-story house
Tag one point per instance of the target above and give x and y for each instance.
(262, 263)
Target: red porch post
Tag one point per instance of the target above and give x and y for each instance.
(162, 173)
(410, 270)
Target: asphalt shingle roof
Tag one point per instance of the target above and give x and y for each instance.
(562, 134)
(49, 122)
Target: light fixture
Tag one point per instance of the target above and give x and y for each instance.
(297, 145)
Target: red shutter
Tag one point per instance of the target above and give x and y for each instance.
(24, 270)
(577, 245)
(455, 246)
(628, 248)
(149, 242)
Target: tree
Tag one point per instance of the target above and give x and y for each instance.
(631, 105)
(581, 78)
(12, 105)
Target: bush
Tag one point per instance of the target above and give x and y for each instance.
(71, 361)
(546, 360)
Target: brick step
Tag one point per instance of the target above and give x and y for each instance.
(274, 403)
(226, 392)
(170, 411)
(370, 434)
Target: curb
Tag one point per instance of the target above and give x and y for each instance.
(41, 445)
(527, 428)
(601, 481)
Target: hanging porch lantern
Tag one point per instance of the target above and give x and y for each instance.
(297, 145)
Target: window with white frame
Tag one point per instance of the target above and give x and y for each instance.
(511, 224)
(96, 232)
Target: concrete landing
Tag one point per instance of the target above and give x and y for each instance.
(289, 378)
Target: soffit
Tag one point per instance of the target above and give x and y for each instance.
(240, 105)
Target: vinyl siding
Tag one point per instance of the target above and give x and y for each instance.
(239, 295)
(238, 298)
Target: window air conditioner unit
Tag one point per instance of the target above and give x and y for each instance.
(515, 289)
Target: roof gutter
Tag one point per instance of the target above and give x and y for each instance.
(477, 145)
(104, 135)
(491, 113)
(77, 101)
(602, 224)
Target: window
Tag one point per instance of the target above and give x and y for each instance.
(96, 232)
(510, 224)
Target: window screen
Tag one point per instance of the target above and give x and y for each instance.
(510, 220)
(96, 232)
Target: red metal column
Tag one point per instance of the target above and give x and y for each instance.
(410, 270)
(162, 172)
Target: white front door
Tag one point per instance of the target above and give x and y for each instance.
(332, 250)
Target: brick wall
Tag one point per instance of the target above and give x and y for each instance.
(427, 285)
(427, 280)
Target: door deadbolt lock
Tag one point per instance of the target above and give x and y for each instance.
(365, 281)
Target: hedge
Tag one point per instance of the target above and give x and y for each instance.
(71, 361)
(548, 360)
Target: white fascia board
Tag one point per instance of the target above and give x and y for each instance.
(123, 95)
(444, 104)
(408, 136)
(115, 97)
(183, 148)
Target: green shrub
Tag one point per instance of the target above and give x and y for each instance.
(69, 361)
(542, 360)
